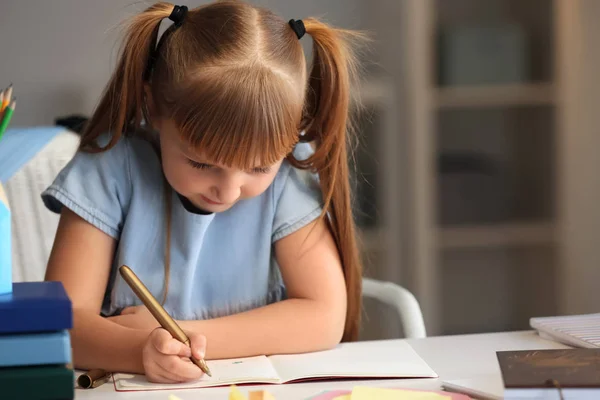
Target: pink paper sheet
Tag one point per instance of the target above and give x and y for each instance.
(330, 395)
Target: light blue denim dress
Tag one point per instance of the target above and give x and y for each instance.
(221, 263)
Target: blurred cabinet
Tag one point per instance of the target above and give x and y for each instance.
(479, 191)
(492, 108)
(374, 163)
(496, 100)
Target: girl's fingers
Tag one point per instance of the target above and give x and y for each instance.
(156, 373)
(197, 343)
(158, 378)
(165, 344)
(177, 369)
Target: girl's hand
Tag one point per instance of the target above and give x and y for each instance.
(167, 360)
(136, 317)
(142, 316)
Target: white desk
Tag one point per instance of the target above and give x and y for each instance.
(452, 357)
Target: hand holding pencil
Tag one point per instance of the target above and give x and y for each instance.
(7, 108)
(167, 345)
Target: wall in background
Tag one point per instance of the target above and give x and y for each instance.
(59, 54)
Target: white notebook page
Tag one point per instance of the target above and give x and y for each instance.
(348, 360)
(358, 359)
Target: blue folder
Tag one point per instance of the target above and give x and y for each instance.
(35, 307)
(19, 145)
(46, 348)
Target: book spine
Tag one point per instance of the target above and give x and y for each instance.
(35, 349)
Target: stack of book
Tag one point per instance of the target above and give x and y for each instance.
(35, 346)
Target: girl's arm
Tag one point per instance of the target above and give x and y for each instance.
(311, 319)
(81, 258)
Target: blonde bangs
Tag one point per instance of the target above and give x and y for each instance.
(240, 117)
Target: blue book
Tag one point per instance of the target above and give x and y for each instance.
(35, 307)
(5, 248)
(46, 348)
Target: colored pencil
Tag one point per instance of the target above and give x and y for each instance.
(7, 116)
(7, 96)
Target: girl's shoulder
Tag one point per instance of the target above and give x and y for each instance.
(132, 158)
(290, 175)
(132, 150)
(128, 149)
(297, 196)
(99, 186)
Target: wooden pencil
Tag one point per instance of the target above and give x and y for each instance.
(7, 97)
(7, 117)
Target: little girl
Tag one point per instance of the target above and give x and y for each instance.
(198, 171)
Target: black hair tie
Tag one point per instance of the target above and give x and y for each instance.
(298, 27)
(178, 15)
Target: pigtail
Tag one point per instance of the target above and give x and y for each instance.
(121, 106)
(327, 125)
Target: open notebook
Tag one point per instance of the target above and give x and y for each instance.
(348, 360)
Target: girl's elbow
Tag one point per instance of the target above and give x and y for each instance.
(335, 337)
(332, 329)
(331, 337)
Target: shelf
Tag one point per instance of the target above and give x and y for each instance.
(495, 95)
(508, 235)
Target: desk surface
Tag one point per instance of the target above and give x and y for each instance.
(452, 357)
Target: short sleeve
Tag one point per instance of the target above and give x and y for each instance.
(95, 186)
(299, 204)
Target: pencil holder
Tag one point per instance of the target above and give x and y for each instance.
(5, 246)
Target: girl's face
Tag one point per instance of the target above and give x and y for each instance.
(208, 186)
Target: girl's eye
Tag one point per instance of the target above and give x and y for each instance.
(261, 170)
(198, 165)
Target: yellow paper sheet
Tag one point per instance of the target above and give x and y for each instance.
(367, 393)
(344, 397)
(235, 394)
(260, 395)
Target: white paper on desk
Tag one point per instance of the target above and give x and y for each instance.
(385, 359)
(487, 387)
